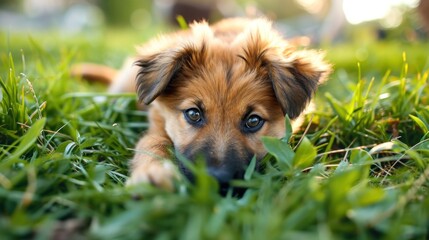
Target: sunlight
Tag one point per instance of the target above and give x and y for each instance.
(367, 10)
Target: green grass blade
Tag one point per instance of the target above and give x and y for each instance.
(305, 154)
(27, 141)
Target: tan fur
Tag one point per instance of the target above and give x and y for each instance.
(230, 71)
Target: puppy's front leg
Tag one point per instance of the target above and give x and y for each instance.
(151, 162)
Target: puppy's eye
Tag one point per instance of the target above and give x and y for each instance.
(253, 123)
(193, 115)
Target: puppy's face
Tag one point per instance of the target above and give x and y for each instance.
(219, 112)
(219, 98)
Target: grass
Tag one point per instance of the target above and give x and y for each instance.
(359, 171)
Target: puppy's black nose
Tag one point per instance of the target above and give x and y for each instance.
(224, 176)
(224, 168)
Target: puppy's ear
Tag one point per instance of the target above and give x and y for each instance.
(294, 74)
(295, 77)
(158, 70)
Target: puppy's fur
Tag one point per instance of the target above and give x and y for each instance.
(214, 92)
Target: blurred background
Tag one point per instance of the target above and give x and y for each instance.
(324, 21)
(360, 37)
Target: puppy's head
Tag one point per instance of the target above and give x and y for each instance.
(220, 94)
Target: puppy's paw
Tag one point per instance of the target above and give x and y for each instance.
(159, 174)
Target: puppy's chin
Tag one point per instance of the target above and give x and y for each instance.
(222, 177)
(224, 187)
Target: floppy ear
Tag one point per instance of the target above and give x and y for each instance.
(294, 74)
(295, 78)
(157, 71)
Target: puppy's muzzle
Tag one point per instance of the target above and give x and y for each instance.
(223, 167)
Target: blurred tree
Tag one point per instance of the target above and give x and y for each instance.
(119, 12)
(424, 13)
(192, 10)
(281, 9)
(10, 4)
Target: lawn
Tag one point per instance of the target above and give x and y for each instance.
(358, 169)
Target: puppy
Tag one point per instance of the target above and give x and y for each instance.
(213, 92)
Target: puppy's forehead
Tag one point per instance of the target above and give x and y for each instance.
(224, 66)
(227, 87)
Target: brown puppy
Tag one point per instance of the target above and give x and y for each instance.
(214, 92)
